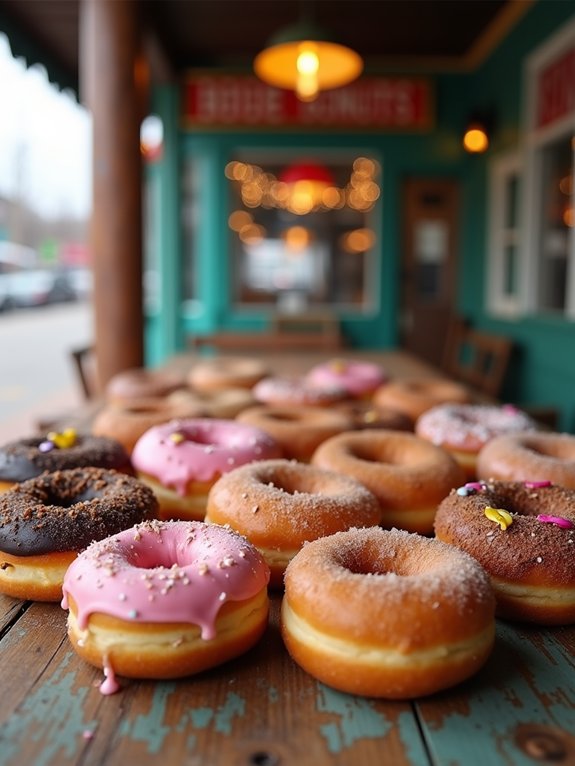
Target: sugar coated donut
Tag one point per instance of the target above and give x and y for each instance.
(182, 459)
(414, 397)
(408, 475)
(142, 383)
(364, 414)
(358, 378)
(387, 613)
(298, 430)
(166, 599)
(281, 504)
(223, 403)
(46, 521)
(523, 534)
(529, 456)
(27, 458)
(463, 429)
(296, 391)
(223, 372)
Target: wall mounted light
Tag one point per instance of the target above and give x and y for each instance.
(477, 133)
(306, 59)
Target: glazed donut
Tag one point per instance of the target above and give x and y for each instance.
(27, 458)
(366, 415)
(280, 504)
(223, 403)
(408, 475)
(414, 397)
(142, 383)
(298, 430)
(223, 372)
(527, 456)
(359, 378)
(127, 421)
(387, 613)
(295, 391)
(166, 599)
(46, 521)
(182, 459)
(463, 429)
(523, 534)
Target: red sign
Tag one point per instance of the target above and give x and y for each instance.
(556, 90)
(236, 101)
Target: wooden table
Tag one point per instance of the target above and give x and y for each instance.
(263, 710)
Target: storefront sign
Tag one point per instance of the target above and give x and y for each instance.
(243, 102)
(556, 90)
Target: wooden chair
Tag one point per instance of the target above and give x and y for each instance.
(84, 363)
(478, 359)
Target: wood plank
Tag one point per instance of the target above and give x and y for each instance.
(260, 708)
(10, 610)
(519, 707)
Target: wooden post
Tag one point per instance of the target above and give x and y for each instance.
(111, 89)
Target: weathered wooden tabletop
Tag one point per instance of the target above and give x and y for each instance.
(261, 709)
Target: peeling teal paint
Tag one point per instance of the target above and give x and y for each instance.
(51, 714)
(201, 717)
(148, 727)
(233, 706)
(357, 719)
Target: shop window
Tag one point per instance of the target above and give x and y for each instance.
(301, 231)
(503, 294)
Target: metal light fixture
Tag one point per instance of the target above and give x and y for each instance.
(307, 60)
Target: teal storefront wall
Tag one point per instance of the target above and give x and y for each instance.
(543, 365)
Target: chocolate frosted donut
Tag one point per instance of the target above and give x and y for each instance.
(27, 458)
(523, 534)
(46, 521)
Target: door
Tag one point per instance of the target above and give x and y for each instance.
(428, 284)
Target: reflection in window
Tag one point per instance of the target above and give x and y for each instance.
(301, 232)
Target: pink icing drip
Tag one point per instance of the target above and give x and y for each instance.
(356, 377)
(174, 571)
(559, 521)
(110, 683)
(210, 447)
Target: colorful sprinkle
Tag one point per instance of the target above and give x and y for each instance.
(46, 446)
(537, 484)
(63, 439)
(476, 485)
(466, 491)
(499, 516)
(559, 521)
(177, 437)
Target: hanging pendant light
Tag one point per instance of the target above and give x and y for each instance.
(306, 59)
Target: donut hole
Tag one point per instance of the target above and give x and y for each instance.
(308, 484)
(69, 499)
(549, 449)
(369, 559)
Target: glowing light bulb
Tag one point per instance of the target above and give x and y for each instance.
(307, 65)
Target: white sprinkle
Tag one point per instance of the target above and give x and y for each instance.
(223, 595)
(122, 596)
(539, 559)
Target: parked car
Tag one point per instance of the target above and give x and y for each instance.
(34, 287)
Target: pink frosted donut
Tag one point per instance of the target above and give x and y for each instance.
(359, 379)
(464, 429)
(286, 391)
(166, 599)
(182, 459)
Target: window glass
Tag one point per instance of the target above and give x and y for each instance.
(302, 232)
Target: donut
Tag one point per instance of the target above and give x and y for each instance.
(223, 403)
(463, 429)
(142, 383)
(364, 414)
(298, 430)
(46, 521)
(415, 396)
(523, 534)
(27, 458)
(165, 600)
(408, 475)
(182, 459)
(223, 372)
(529, 456)
(279, 505)
(296, 391)
(387, 613)
(127, 421)
(359, 378)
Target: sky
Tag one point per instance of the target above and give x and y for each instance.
(45, 141)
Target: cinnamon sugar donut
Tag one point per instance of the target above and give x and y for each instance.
(523, 534)
(298, 430)
(463, 429)
(221, 372)
(387, 613)
(142, 383)
(280, 504)
(366, 415)
(223, 403)
(529, 456)
(415, 396)
(408, 475)
(296, 391)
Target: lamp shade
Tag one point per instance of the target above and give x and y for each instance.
(306, 59)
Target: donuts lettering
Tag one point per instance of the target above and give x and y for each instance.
(387, 613)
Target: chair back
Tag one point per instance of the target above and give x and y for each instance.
(478, 359)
